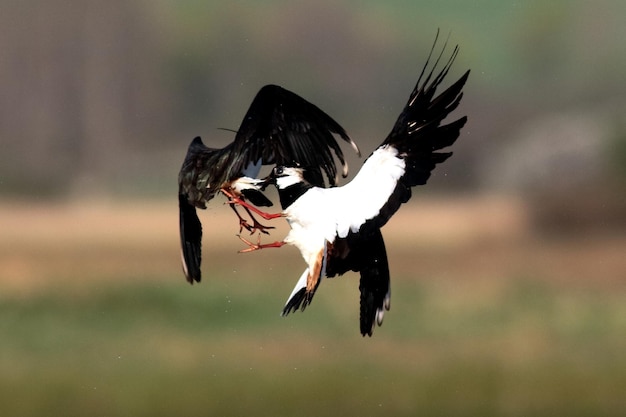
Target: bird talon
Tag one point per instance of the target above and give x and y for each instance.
(261, 228)
(245, 225)
(256, 226)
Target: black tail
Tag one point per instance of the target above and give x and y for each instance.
(190, 239)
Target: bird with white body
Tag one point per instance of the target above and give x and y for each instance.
(337, 229)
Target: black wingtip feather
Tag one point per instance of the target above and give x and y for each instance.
(418, 132)
(424, 112)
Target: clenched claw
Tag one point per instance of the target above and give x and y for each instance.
(234, 200)
(243, 223)
(256, 225)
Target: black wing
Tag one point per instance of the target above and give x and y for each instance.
(418, 133)
(279, 128)
(193, 191)
(199, 177)
(364, 252)
(190, 239)
(194, 178)
(282, 128)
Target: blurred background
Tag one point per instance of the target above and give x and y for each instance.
(508, 268)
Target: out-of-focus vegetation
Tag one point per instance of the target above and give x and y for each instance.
(105, 96)
(486, 320)
(508, 295)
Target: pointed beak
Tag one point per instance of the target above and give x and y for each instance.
(267, 181)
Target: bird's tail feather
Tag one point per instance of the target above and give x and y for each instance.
(302, 294)
(297, 299)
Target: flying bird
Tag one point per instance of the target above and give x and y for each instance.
(279, 128)
(338, 229)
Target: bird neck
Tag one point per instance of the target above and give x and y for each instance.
(290, 194)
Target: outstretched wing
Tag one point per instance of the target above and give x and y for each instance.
(282, 128)
(418, 133)
(406, 157)
(279, 128)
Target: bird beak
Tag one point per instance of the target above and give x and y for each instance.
(269, 180)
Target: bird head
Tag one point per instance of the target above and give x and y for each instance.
(291, 181)
(284, 176)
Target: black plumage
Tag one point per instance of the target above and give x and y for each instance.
(280, 127)
(338, 229)
(359, 252)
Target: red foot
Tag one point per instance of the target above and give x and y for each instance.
(243, 223)
(233, 199)
(256, 246)
(256, 225)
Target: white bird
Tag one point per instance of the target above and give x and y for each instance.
(338, 229)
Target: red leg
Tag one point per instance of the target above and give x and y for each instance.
(256, 246)
(236, 200)
(243, 224)
(256, 225)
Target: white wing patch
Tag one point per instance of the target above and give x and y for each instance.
(368, 192)
(363, 197)
(322, 214)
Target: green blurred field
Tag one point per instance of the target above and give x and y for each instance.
(487, 319)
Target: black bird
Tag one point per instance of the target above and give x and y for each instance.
(279, 128)
(338, 229)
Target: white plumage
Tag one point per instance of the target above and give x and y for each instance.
(336, 211)
(338, 229)
(321, 215)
